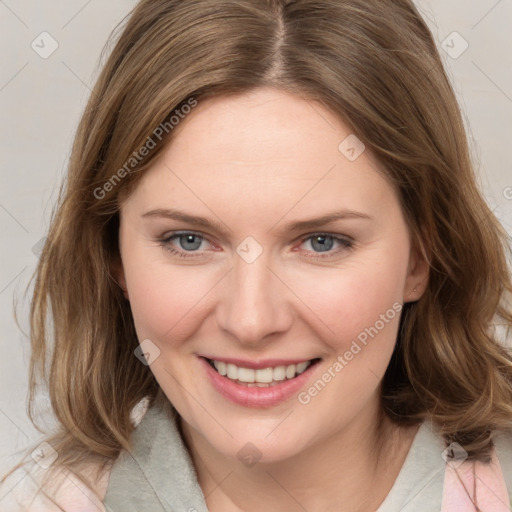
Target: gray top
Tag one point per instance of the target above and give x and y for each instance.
(159, 475)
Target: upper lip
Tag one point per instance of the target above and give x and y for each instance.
(258, 364)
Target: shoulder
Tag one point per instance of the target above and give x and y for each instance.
(29, 489)
(32, 489)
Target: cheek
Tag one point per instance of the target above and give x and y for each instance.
(348, 302)
(166, 300)
(359, 311)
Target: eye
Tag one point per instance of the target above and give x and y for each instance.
(181, 243)
(188, 244)
(325, 242)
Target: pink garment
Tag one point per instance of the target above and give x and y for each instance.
(471, 486)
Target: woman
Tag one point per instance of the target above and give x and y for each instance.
(272, 278)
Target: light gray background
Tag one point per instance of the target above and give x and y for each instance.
(41, 100)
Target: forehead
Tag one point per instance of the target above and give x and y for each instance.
(264, 124)
(266, 149)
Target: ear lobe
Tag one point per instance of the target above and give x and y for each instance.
(418, 274)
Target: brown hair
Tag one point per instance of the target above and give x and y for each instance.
(373, 63)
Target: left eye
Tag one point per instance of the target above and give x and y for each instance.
(321, 242)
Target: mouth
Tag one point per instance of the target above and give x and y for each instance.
(260, 377)
(258, 384)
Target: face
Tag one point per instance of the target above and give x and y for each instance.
(258, 246)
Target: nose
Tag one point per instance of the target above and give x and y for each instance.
(254, 304)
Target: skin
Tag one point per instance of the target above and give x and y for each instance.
(254, 163)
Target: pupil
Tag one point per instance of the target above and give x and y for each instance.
(325, 243)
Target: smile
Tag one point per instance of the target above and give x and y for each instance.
(261, 384)
(264, 377)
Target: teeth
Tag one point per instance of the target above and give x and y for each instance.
(279, 373)
(290, 371)
(262, 377)
(245, 374)
(221, 368)
(232, 372)
(302, 366)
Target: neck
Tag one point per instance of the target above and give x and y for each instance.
(353, 469)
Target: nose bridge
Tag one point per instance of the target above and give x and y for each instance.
(254, 303)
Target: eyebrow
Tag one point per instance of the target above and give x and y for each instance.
(292, 226)
(185, 217)
(318, 222)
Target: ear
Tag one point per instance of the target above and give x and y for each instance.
(418, 273)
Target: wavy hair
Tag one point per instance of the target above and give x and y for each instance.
(374, 64)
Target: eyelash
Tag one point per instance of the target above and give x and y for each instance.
(346, 244)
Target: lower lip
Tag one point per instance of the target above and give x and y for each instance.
(255, 396)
